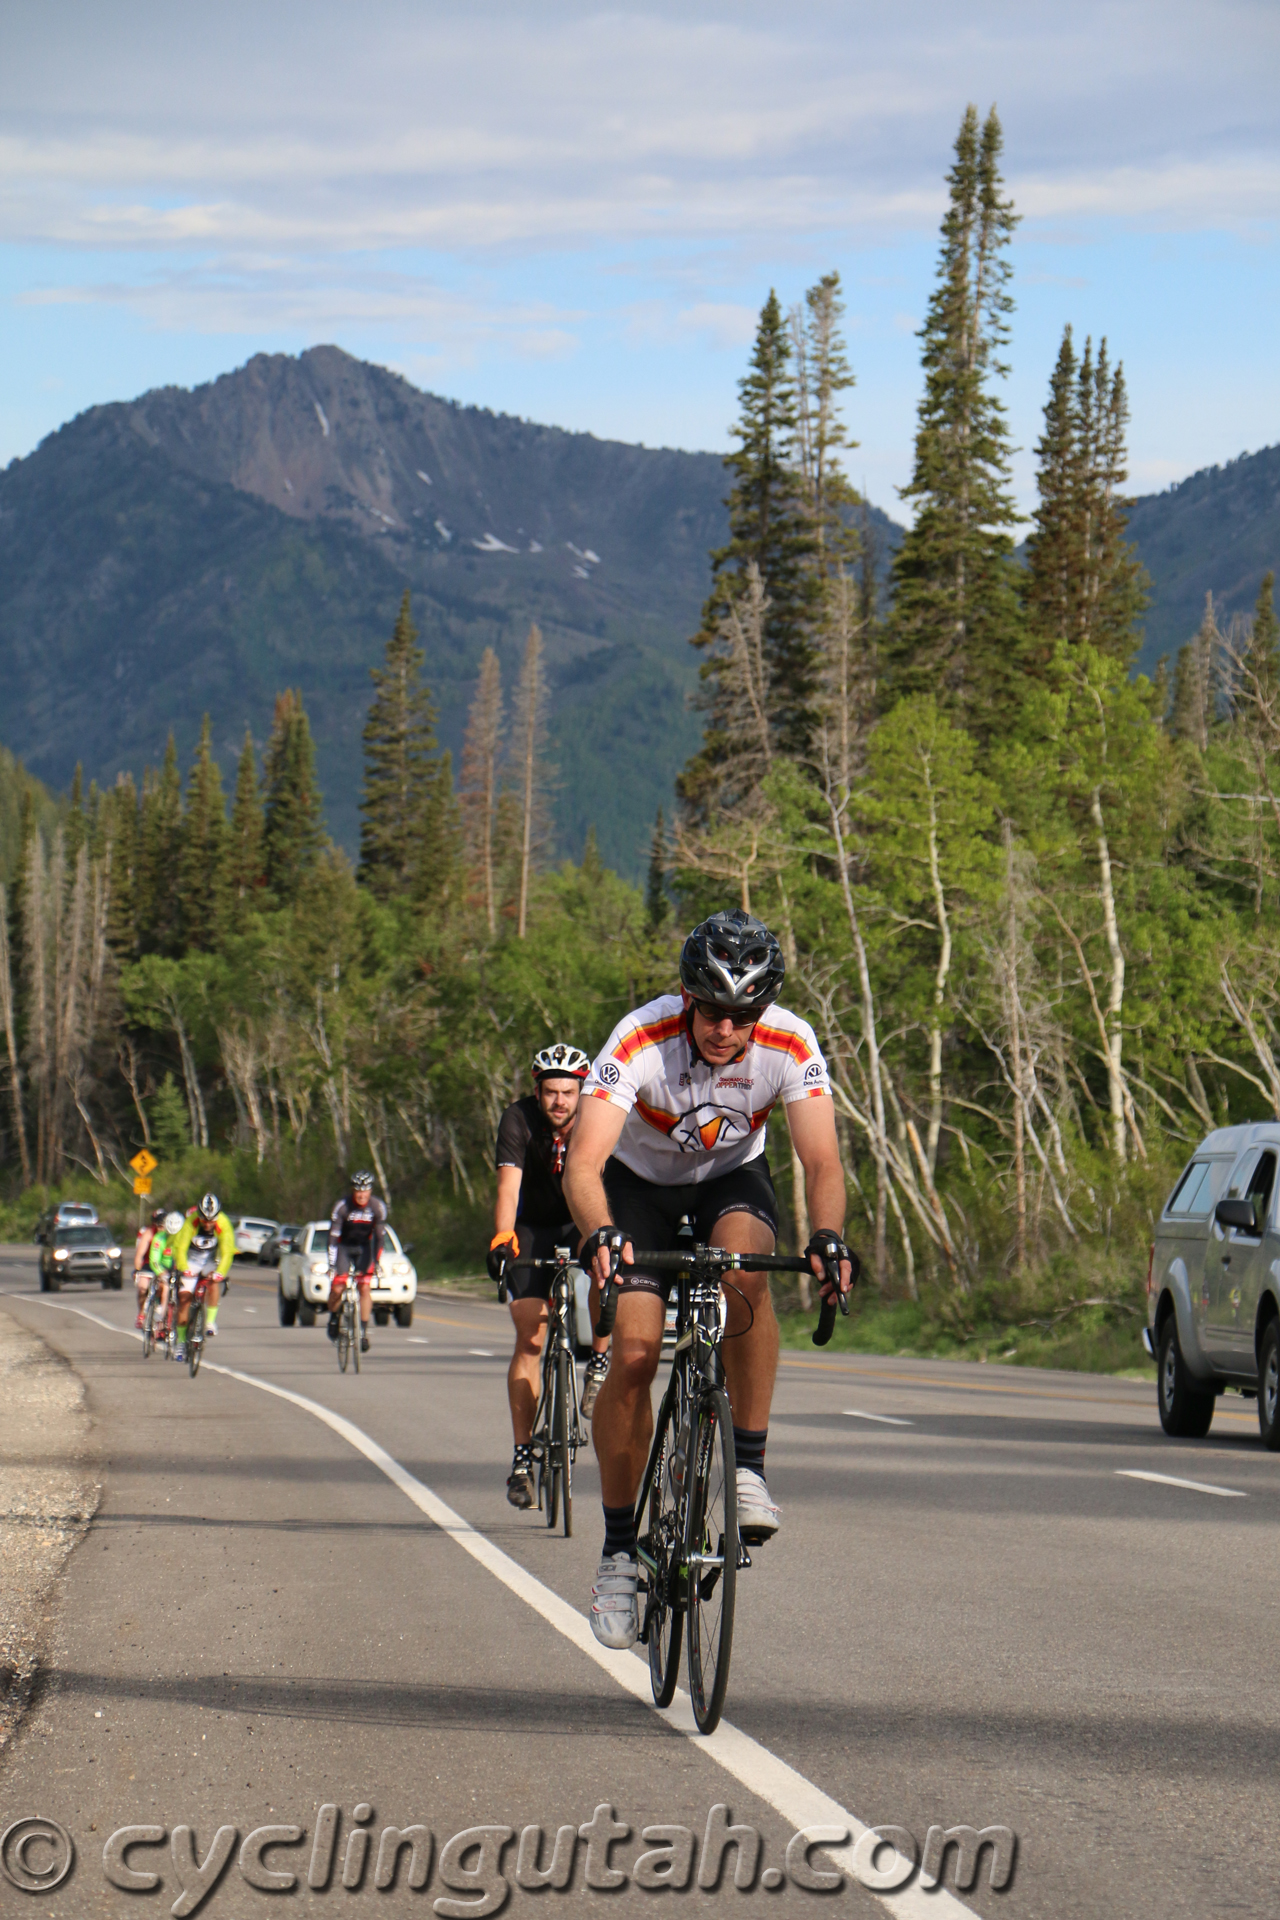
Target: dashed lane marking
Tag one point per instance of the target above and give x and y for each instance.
(881, 1419)
(1169, 1480)
(761, 1772)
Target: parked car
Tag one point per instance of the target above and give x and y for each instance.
(276, 1243)
(1213, 1283)
(80, 1253)
(304, 1279)
(250, 1235)
(67, 1213)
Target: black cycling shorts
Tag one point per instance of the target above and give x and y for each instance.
(537, 1243)
(649, 1214)
(350, 1259)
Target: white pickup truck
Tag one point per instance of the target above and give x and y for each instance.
(304, 1279)
(1213, 1285)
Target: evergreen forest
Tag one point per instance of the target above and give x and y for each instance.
(1029, 900)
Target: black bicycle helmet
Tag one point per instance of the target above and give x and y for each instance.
(733, 961)
(362, 1182)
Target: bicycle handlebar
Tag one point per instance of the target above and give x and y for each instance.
(719, 1260)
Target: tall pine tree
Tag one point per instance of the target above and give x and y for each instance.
(956, 628)
(204, 851)
(158, 897)
(1083, 582)
(402, 848)
(244, 850)
(293, 831)
(772, 530)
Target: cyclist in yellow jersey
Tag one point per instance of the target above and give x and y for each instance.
(205, 1246)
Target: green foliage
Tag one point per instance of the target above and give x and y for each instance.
(204, 851)
(406, 841)
(956, 629)
(167, 1118)
(293, 830)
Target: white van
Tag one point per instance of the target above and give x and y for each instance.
(1213, 1285)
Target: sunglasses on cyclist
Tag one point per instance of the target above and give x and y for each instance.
(740, 1016)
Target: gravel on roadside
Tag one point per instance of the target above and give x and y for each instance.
(48, 1495)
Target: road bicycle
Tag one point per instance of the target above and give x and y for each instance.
(688, 1543)
(152, 1313)
(558, 1431)
(197, 1322)
(349, 1325)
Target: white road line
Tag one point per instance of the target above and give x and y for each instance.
(760, 1771)
(882, 1419)
(1168, 1480)
(415, 1340)
(481, 1353)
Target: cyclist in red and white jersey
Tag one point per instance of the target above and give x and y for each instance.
(673, 1121)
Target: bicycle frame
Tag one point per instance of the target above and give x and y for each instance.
(556, 1348)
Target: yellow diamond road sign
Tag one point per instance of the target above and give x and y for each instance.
(144, 1163)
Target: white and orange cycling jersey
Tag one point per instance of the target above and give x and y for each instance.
(687, 1121)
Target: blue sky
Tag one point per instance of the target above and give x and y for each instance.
(574, 212)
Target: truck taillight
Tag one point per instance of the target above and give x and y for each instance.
(1151, 1260)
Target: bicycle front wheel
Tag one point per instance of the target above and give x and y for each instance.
(561, 1431)
(551, 1444)
(664, 1614)
(195, 1337)
(344, 1337)
(712, 1558)
(149, 1326)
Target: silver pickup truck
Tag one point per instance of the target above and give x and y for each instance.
(1213, 1285)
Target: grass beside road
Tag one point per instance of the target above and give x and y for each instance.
(1091, 1339)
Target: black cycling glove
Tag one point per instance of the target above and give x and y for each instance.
(612, 1239)
(828, 1246)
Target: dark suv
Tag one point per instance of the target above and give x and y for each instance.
(80, 1253)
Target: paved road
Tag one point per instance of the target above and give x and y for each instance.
(974, 1616)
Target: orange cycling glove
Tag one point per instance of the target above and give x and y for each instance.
(502, 1248)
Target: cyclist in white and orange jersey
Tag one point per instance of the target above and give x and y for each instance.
(673, 1122)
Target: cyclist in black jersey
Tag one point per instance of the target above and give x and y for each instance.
(355, 1246)
(530, 1220)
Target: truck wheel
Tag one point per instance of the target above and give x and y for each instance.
(381, 1315)
(1186, 1410)
(404, 1314)
(288, 1309)
(1269, 1388)
(306, 1314)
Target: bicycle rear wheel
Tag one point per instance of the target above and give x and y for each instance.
(195, 1337)
(664, 1611)
(560, 1436)
(149, 1326)
(712, 1552)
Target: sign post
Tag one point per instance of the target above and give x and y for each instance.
(144, 1164)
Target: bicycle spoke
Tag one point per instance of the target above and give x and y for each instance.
(712, 1550)
(664, 1615)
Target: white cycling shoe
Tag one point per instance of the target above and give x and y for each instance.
(758, 1516)
(615, 1609)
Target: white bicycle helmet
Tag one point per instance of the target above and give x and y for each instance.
(172, 1223)
(561, 1062)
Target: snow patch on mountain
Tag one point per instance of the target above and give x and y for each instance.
(322, 417)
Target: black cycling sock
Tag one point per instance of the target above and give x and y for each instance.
(748, 1447)
(620, 1531)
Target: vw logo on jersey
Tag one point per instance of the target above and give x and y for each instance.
(708, 1127)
